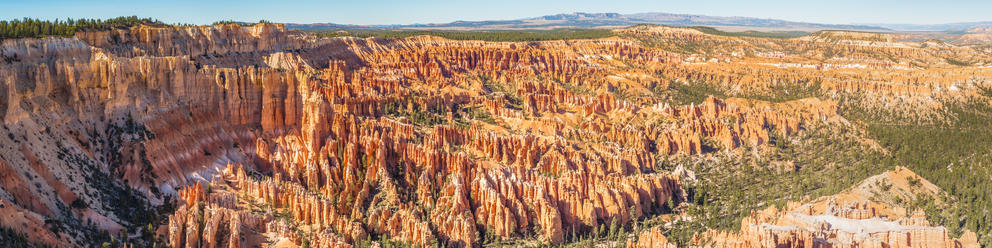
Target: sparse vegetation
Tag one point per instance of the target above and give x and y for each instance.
(729, 187)
(686, 93)
(957, 62)
(955, 157)
(749, 33)
(13, 239)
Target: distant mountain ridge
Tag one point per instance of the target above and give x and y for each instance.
(957, 26)
(609, 20)
(613, 20)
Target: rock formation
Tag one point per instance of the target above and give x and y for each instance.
(262, 135)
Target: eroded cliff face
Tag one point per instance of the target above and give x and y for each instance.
(144, 113)
(83, 124)
(259, 135)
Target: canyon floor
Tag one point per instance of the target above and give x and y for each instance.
(258, 136)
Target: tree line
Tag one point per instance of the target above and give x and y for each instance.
(229, 21)
(35, 28)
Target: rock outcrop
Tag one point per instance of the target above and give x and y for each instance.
(651, 238)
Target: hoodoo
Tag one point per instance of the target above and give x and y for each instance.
(237, 135)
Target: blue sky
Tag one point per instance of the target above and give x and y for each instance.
(374, 12)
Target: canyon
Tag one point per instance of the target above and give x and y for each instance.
(256, 135)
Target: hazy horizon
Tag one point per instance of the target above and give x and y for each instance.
(394, 12)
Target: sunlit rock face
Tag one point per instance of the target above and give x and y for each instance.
(257, 135)
(147, 112)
